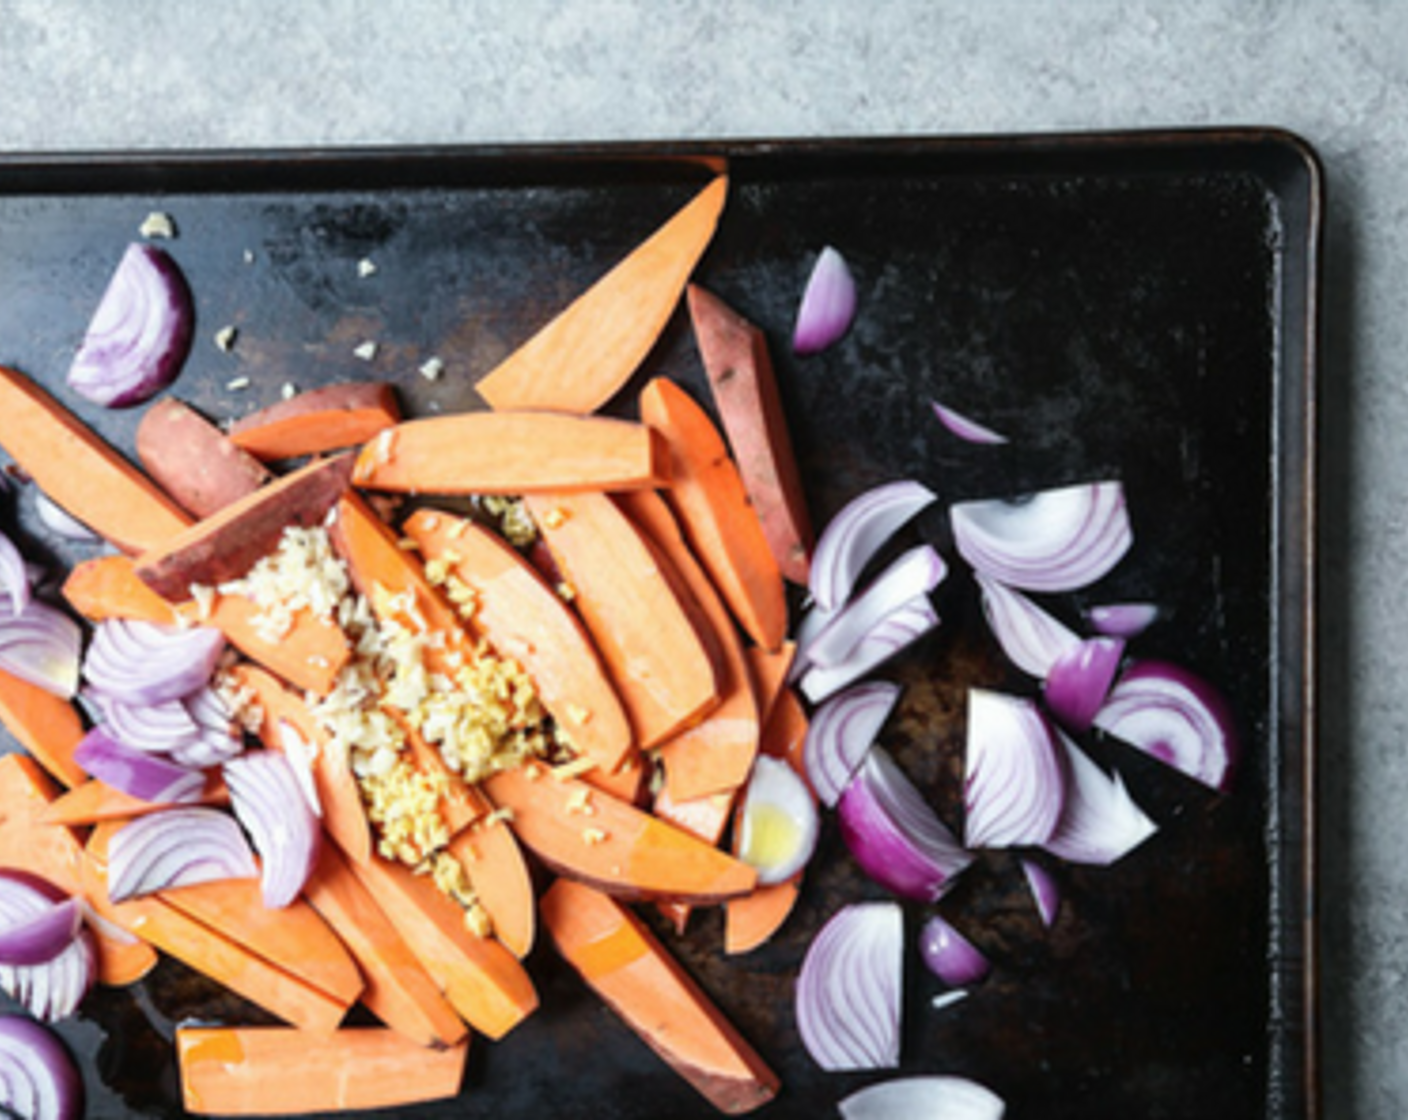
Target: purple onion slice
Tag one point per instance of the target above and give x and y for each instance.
(841, 733)
(175, 848)
(828, 304)
(1015, 784)
(38, 1077)
(849, 989)
(857, 532)
(949, 955)
(935, 1097)
(1100, 823)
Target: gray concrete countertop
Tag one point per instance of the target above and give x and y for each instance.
(144, 74)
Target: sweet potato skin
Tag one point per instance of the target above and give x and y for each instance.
(328, 418)
(193, 460)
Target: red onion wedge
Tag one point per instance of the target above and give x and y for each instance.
(59, 521)
(934, 1097)
(965, 428)
(899, 629)
(1078, 683)
(14, 575)
(51, 989)
(949, 955)
(1100, 823)
(37, 920)
(140, 332)
(267, 799)
(147, 777)
(857, 532)
(778, 822)
(1045, 893)
(828, 304)
(841, 733)
(216, 739)
(849, 989)
(1121, 620)
(916, 572)
(143, 663)
(1015, 783)
(1174, 715)
(895, 835)
(302, 756)
(1032, 639)
(176, 848)
(42, 645)
(149, 728)
(39, 1079)
(1054, 540)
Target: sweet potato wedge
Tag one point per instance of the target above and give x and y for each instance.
(624, 963)
(656, 658)
(736, 360)
(275, 1071)
(47, 726)
(193, 460)
(720, 524)
(92, 801)
(581, 358)
(512, 453)
(705, 817)
(494, 863)
(525, 619)
(225, 546)
(589, 836)
(770, 670)
(329, 418)
(80, 472)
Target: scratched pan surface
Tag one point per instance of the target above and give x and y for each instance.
(1130, 306)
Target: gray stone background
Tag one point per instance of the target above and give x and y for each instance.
(82, 74)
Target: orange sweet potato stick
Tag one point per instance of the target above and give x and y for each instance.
(579, 360)
(276, 1071)
(512, 453)
(398, 989)
(80, 472)
(93, 801)
(659, 664)
(621, 960)
(721, 525)
(47, 726)
(736, 360)
(494, 863)
(525, 619)
(770, 669)
(193, 460)
(705, 817)
(329, 418)
(587, 835)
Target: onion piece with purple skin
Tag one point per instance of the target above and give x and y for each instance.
(1100, 823)
(144, 663)
(850, 986)
(857, 533)
(267, 799)
(60, 522)
(949, 955)
(964, 427)
(140, 332)
(39, 1079)
(934, 1097)
(175, 848)
(44, 646)
(150, 728)
(1032, 638)
(1121, 620)
(1060, 539)
(828, 304)
(898, 630)
(1015, 775)
(53, 989)
(1079, 681)
(1175, 716)
(841, 733)
(147, 777)
(914, 573)
(895, 835)
(216, 739)
(37, 920)
(1045, 893)
(14, 575)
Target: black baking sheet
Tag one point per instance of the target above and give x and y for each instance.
(1139, 306)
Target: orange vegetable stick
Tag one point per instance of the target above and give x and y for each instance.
(309, 655)
(344, 817)
(398, 990)
(319, 420)
(770, 669)
(275, 1071)
(52, 852)
(193, 460)
(587, 835)
(223, 958)
(480, 978)
(705, 817)
(624, 964)
(497, 871)
(627, 784)
(707, 495)
(715, 754)
(80, 472)
(47, 726)
(578, 361)
(93, 801)
(736, 360)
(525, 619)
(512, 453)
(661, 668)
(226, 545)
